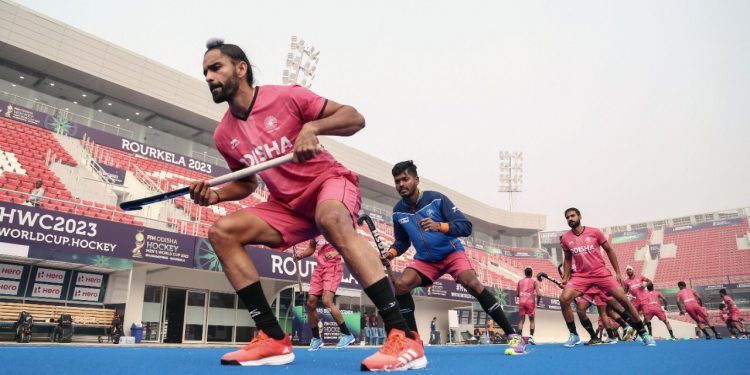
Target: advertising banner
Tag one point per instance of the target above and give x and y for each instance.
(115, 175)
(329, 330)
(86, 294)
(89, 279)
(10, 287)
(61, 231)
(48, 275)
(710, 224)
(47, 290)
(629, 236)
(11, 271)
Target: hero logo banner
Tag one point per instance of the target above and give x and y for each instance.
(9, 287)
(47, 275)
(11, 271)
(46, 291)
(89, 279)
(86, 294)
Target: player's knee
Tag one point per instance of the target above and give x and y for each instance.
(401, 287)
(312, 304)
(328, 301)
(337, 230)
(219, 235)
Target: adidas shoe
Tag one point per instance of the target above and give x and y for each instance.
(262, 350)
(398, 353)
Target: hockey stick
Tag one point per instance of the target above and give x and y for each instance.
(542, 275)
(137, 204)
(378, 242)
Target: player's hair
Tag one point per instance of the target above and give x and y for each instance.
(681, 284)
(404, 166)
(528, 271)
(650, 286)
(572, 209)
(722, 291)
(232, 51)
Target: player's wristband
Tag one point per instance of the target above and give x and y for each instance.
(393, 252)
(444, 227)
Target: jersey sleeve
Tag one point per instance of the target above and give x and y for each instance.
(232, 163)
(600, 237)
(402, 241)
(458, 224)
(309, 105)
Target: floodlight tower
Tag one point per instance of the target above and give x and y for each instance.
(301, 63)
(511, 174)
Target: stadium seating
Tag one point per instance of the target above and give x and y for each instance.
(626, 253)
(704, 253)
(24, 153)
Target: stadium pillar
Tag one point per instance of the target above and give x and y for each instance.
(134, 302)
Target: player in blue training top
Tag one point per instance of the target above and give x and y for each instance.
(429, 221)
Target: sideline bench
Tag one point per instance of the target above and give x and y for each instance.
(86, 320)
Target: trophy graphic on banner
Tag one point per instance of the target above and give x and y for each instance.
(140, 239)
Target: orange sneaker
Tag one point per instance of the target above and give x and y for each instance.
(399, 353)
(262, 350)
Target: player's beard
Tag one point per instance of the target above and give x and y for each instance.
(228, 89)
(574, 224)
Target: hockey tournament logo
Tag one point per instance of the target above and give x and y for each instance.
(140, 239)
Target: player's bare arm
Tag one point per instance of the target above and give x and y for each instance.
(567, 265)
(337, 119)
(203, 195)
(613, 260)
(309, 250)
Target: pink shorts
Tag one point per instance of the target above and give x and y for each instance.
(326, 278)
(698, 313)
(735, 315)
(527, 308)
(299, 225)
(453, 264)
(597, 296)
(582, 283)
(651, 311)
(637, 304)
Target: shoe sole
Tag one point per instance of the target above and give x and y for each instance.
(314, 349)
(571, 346)
(344, 346)
(416, 364)
(276, 360)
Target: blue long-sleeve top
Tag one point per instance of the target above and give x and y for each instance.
(431, 246)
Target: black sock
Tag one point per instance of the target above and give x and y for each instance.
(716, 334)
(589, 327)
(572, 328)
(610, 333)
(492, 308)
(531, 330)
(705, 333)
(406, 306)
(315, 332)
(626, 317)
(640, 328)
(621, 322)
(344, 329)
(252, 296)
(671, 334)
(650, 330)
(381, 295)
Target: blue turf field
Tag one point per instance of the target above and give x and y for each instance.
(682, 357)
